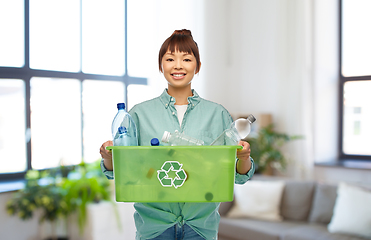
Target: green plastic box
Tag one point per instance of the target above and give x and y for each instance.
(174, 174)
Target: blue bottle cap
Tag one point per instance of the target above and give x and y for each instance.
(120, 106)
(122, 130)
(155, 142)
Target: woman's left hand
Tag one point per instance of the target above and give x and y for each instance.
(243, 155)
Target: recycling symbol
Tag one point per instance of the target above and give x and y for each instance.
(167, 177)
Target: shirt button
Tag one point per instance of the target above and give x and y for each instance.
(193, 105)
(173, 113)
(166, 104)
(171, 99)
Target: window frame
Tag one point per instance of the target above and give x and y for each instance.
(25, 73)
(342, 80)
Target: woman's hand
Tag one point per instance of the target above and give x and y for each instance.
(244, 163)
(106, 155)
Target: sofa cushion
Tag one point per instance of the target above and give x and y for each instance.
(258, 199)
(317, 232)
(253, 229)
(323, 203)
(352, 211)
(297, 200)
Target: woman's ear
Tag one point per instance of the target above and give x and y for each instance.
(198, 70)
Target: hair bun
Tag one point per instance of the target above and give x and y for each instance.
(182, 32)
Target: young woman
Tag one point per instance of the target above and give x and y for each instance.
(180, 108)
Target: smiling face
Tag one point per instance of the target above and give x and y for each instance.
(179, 68)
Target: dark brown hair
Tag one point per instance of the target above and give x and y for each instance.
(182, 41)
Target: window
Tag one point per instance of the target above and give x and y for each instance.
(65, 64)
(62, 71)
(355, 79)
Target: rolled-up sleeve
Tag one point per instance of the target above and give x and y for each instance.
(243, 178)
(108, 173)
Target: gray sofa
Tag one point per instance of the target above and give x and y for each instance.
(306, 208)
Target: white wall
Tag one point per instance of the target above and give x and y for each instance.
(242, 63)
(279, 57)
(257, 60)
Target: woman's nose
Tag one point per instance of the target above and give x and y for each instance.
(178, 65)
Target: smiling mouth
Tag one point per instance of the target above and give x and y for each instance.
(178, 74)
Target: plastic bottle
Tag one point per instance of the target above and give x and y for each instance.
(122, 139)
(238, 130)
(155, 142)
(179, 139)
(124, 131)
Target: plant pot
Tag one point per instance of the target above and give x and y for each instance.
(268, 171)
(56, 230)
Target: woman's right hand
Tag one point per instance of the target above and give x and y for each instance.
(106, 155)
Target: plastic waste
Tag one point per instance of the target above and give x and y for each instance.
(238, 130)
(124, 131)
(122, 138)
(180, 139)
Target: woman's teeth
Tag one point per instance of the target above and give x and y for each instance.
(178, 75)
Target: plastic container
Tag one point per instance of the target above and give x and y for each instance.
(180, 139)
(197, 173)
(124, 131)
(238, 130)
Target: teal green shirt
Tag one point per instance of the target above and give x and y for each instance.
(203, 120)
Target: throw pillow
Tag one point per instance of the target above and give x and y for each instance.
(352, 211)
(258, 199)
(323, 203)
(297, 200)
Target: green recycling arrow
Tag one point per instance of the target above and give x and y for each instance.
(180, 174)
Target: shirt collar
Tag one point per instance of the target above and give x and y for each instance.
(168, 100)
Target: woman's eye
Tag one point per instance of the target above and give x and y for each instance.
(170, 59)
(187, 60)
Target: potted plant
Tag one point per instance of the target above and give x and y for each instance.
(60, 192)
(40, 193)
(85, 184)
(266, 149)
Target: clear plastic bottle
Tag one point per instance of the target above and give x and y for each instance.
(124, 131)
(122, 139)
(179, 139)
(238, 130)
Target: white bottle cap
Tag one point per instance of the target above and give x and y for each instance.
(165, 137)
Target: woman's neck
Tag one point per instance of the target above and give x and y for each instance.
(180, 94)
